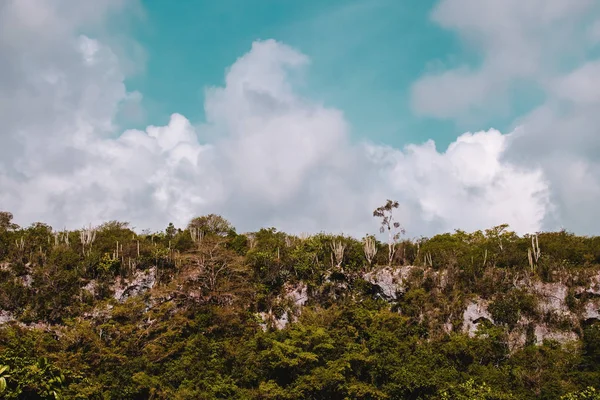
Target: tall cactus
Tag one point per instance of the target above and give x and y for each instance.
(370, 249)
(338, 247)
(534, 253)
(197, 234)
(87, 236)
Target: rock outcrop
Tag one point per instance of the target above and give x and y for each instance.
(551, 300)
(140, 282)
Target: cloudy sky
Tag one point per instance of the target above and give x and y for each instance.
(300, 115)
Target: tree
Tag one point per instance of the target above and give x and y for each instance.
(388, 223)
(209, 224)
(470, 390)
(6, 221)
(6, 227)
(170, 231)
(587, 394)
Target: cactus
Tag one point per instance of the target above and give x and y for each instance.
(428, 259)
(370, 248)
(61, 237)
(87, 236)
(288, 241)
(197, 234)
(338, 247)
(20, 243)
(251, 240)
(303, 236)
(534, 253)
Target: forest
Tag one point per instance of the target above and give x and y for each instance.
(205, 312)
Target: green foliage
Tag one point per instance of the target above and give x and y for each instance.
(587, 394)
(182, 241)
(196, 333)
(170, 232)
(36, 379)
(507, 308)
(469, 390)
(4, 369)
(108, 265)
(237, 243)
(591, 346)
(211, 224)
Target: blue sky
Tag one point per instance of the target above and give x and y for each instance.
(364, 55)
(303, 115)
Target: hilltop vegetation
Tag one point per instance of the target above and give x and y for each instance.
(207, 313)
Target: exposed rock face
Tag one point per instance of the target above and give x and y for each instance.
(475, 313)
(594, 287)
(591, 311)
(390, 279)
(142, 281)
(551, 297)
(91, 287)
(551, 301)
(269, 318)
(543, 332)
(297, 295)
(552, 320)
(6, 317)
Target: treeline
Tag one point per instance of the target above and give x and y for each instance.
(198, 333)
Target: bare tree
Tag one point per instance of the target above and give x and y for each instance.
(211, 270)
(214, 268)
(388, 223)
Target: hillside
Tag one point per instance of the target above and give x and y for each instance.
(207, 313)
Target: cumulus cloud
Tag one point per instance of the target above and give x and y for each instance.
(548, 45)
(468, 186)
(275, 158)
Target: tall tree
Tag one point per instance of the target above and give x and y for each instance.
(388, 223)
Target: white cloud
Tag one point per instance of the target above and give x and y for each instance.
(276, 159)
(468, 186)
(581, 86)
(542, 44)
(452, 93)
(518, 41)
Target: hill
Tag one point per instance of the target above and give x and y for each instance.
(207, 313)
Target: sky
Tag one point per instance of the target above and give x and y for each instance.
(302, 115)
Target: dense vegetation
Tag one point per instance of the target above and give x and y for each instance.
(207, 329)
